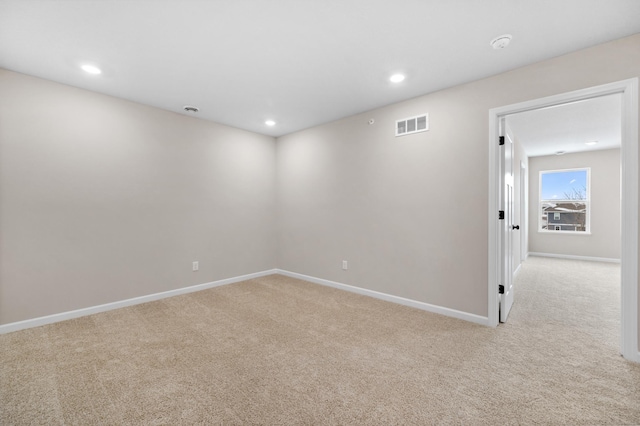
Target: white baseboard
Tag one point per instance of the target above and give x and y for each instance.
(572, 257)
(390, 298)
(517, 271)
(49, 319)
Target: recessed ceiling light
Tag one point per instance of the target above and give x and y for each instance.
(270, 123)
(91, 69)
(501, 42)
(561, 152)
(396, 78)
(191, 108)
(591, 143)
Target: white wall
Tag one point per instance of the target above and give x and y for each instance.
(410, 213)
(604, 238)
(103, 200)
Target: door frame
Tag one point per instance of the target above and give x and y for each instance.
(629, 201)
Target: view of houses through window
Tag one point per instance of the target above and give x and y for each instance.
(564, 200)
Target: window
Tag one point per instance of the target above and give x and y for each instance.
(564, 200)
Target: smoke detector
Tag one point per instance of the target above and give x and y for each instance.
(501, 42)
(190, 108)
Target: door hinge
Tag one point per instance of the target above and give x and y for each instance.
(501, 141)
(501, 289)
(501, 214)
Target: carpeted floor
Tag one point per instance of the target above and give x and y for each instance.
(280, 351)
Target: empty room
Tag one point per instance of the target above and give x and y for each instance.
(319, 212)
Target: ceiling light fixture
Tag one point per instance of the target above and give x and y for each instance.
(91, 69)
(591, 143)
(397, 78)
(501, 42)
(190, 108)
(270, 123)
(561, 152)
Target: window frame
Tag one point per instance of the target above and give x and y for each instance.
(587, 203)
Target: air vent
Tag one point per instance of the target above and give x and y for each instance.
(406, 126)
(190, 108)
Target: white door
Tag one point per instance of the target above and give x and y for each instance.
(506, 225)
(523, 212)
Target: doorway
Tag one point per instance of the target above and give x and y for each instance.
(629, 196)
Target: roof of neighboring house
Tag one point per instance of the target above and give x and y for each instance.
(576, 207)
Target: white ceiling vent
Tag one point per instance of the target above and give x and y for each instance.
(406, 126)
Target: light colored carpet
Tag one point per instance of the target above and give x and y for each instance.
(276, 350)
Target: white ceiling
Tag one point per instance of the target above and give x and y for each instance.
(298, 62)
(569, 126)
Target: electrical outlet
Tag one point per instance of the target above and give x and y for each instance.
(345, 265)
(195, 266)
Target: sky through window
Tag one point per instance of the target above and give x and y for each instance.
(558, 185)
